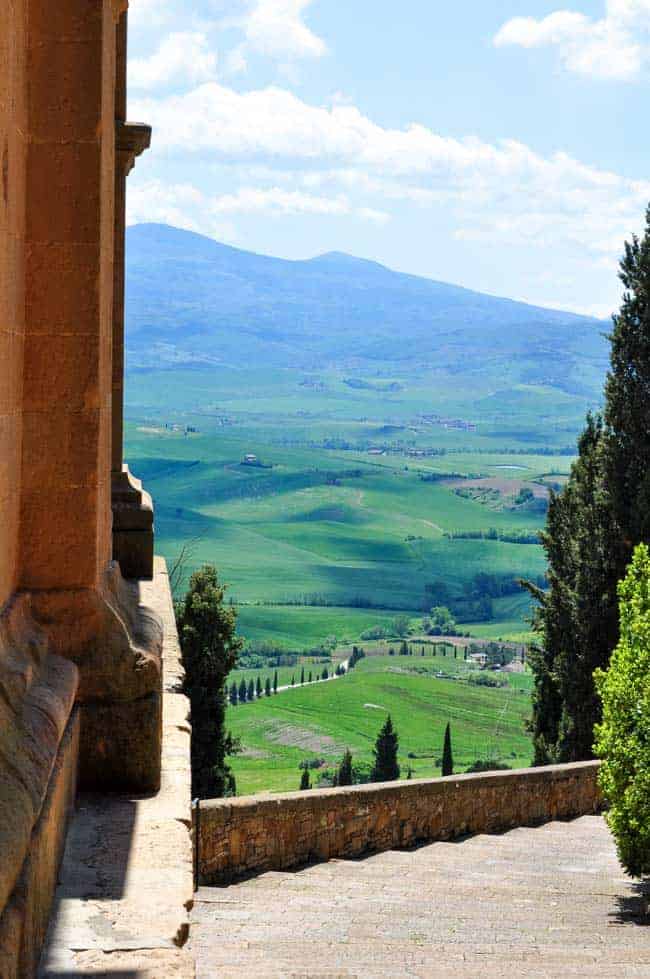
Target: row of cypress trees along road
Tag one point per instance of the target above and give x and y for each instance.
(247, 691)
(592, 528)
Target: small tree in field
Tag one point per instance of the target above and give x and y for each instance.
(302, 676)
(243, 692)
(258, 688)
(304, 780)
(345, 769)
(275, 682)
(310, 676)
(623, 737)
(267, 687)
(233, 694)
(209, 648)
(386, 768)
(251, 690)
(447, 756)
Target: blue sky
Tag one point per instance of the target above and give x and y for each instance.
(499, 144)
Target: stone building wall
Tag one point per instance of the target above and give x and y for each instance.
(80, 654)
(256, 834)
(12, 257)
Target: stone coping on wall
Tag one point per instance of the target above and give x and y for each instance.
(126, 883)
(239, 837)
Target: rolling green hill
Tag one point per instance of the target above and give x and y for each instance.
(320, 721)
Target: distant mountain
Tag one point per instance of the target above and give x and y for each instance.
(191, 300)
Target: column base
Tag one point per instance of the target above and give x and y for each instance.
(132, 526)
(116, 643)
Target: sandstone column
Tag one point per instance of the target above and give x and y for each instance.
(132, 507)
(65, 568)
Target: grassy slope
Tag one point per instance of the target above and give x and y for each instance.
(322, 720)
(285, 533)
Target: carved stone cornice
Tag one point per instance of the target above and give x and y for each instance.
(119, 7)
(131, 139)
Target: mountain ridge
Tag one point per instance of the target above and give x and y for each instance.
(192, 300)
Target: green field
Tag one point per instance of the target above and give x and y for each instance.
(327, 537)
(321, 720)
(364, 503)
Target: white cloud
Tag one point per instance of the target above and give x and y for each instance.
(490, 192)
(616, 46)
(148, 13)
(180, 58)
(183, 205)
(277, 28)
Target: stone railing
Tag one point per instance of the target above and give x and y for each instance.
(235, 837)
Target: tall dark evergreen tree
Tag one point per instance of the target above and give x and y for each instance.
(251, 690)
(304, 780)
(386, 768)
(275, 682)
(345, 776)
(243, 692)
(447, 756)
(592, 527)
(267, 687)
(209, 650)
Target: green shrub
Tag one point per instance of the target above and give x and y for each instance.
(623, 737)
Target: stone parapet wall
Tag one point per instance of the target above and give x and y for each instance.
(236, 837)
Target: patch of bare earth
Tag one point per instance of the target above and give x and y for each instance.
(300, 737)
(503, 485)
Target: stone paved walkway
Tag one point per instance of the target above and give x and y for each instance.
(546, 902)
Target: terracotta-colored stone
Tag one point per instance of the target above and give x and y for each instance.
(69, 626)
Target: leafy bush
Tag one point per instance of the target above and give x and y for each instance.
(489, 765)
(623, 737)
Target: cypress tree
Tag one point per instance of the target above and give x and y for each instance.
(267, 687)
(233, 694)
(447, 756)
(243, 692)
(293, 681)
(627, 400)
(258, 688)
(275, 682)
(302, 676)
(304, 780)
(310, 680)
(386, 768)
(345, 769)
(251, 689)
(325, 673)
(592, 527)
(209, 652)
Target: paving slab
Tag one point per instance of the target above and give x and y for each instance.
(546, 902)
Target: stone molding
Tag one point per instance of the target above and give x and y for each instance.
(37, 695)
(237, 837)
(131, 140)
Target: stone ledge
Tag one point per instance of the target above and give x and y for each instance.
(126, 881)
(237, 837)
